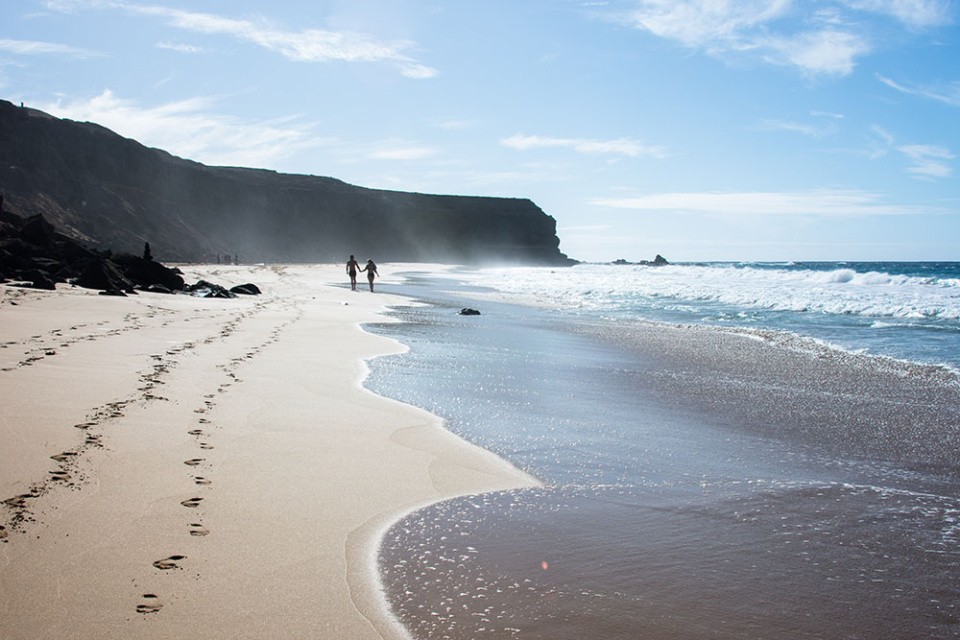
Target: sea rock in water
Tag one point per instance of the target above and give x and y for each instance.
(466, 311)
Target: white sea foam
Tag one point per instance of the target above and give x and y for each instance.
(839, 291)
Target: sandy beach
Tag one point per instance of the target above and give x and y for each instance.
(177, 467)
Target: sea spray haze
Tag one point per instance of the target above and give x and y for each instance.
(730, 451)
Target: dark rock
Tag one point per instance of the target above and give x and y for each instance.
(143, 273)
(36, 230)
(659, 261)
(103, 274)
(38, 279)
(156, 288)
(204, 289)
(466, 311)
(247, 289)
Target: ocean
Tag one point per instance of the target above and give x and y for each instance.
(748, 450)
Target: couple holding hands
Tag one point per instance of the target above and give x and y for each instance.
(353, 267)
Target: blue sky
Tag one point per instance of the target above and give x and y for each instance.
(701, 130)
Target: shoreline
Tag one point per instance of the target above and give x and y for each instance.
(223, 471)
(735, 478)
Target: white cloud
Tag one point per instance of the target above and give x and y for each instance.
(828, 52)
(620, 146)
(180, 48)
(913, 13)
(823, 38)
(34, 48)
(304, 45)
(706, 23)
(189, 128)
(826, 202)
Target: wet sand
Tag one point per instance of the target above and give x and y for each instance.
(176, 467)
(700, 483)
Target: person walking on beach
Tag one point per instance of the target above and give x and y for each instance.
(352, 266)
(371, 270)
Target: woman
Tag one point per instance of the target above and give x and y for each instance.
(371, 270)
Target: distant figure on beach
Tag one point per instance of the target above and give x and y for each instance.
(371, 270)
(352, 266)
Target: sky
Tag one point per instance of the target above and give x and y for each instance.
(758, 130)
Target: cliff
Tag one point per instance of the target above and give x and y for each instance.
(107, 191)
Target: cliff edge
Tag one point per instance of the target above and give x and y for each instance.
(107, 191)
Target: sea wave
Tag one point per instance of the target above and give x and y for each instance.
(843, 290)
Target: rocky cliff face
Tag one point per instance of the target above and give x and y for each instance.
(112, 192)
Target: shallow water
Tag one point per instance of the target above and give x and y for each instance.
(698, 485)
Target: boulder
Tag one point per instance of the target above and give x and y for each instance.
(103, 274)
(466, 311)
(204, 289)
(144, 273)
(36, 230)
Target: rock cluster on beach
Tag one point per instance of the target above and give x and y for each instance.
(34, 254)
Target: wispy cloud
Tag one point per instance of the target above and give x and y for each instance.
(948, 93)
(304, 45)
(827, 202)
(925, 161)
(823, 38)
(804, 128)
(180, 48)
(34, 48)
(619, 146)
(191, 129)
(913, 13)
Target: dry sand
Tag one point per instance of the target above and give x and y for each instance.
(175, 467)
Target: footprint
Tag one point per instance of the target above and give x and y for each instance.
(168, 563)
(206, 445)
(196, 529)
(63, 457)
(202, 480)
(195, 432)
(193, 462)
(62, 476)
(151, 604)
(192, 503)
